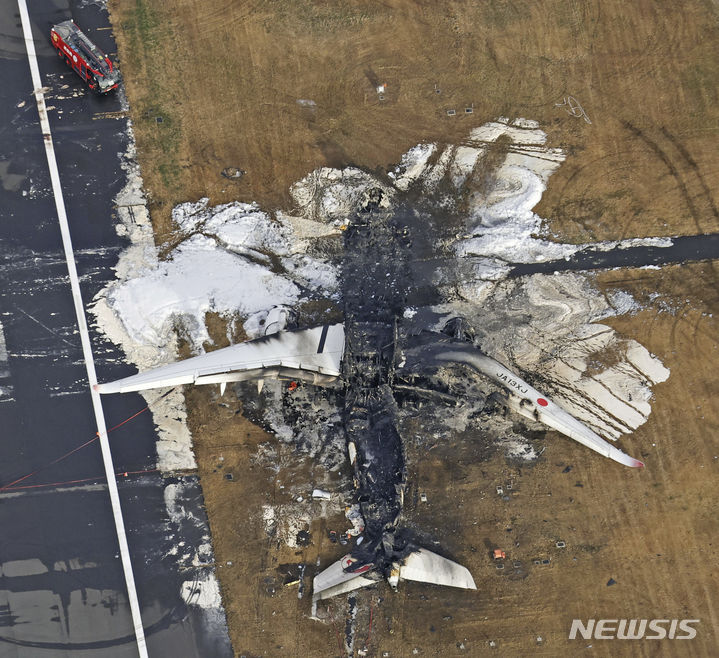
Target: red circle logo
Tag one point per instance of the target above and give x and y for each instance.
(542, 402)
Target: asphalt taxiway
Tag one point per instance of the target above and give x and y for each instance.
(62, 587)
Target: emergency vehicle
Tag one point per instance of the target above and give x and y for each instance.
(84, 57)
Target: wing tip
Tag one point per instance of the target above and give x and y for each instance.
(625, 459)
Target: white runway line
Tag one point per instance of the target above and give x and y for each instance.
(84, 335)
(6, 388)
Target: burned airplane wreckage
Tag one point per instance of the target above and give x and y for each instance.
(370, 356)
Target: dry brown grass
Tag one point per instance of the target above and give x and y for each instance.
(226, 78)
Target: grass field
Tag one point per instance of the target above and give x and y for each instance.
(226, 78)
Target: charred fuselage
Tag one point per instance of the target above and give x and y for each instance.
(377, 281)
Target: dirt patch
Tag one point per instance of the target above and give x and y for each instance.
(278, 88)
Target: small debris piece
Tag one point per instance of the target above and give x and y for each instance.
(423, 497)
(292, 386)
(233, 173)
(354, 516)
(159, 119)
(561, 544)
(352, 451)
(567, 469)
(500, 491)
(228, 476)
(451, 113)
(321, 494)
(468, 110)
(611, 582)
(499, 554)
(333, 536)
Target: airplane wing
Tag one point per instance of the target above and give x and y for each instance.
(312, 355)
(523, 398)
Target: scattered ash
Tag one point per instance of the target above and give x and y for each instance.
(307, 417)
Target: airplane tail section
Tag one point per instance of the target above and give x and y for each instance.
(420, 565)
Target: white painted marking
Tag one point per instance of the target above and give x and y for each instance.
(84, 335)
(6, 389)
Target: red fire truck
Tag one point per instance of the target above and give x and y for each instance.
(84, 57)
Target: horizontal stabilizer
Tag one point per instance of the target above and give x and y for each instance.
(312, 355)
(356, 582)
(336, 580)
(421, 566)
(427, 567)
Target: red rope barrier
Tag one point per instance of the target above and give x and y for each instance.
(80, 447)
(59, 484)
